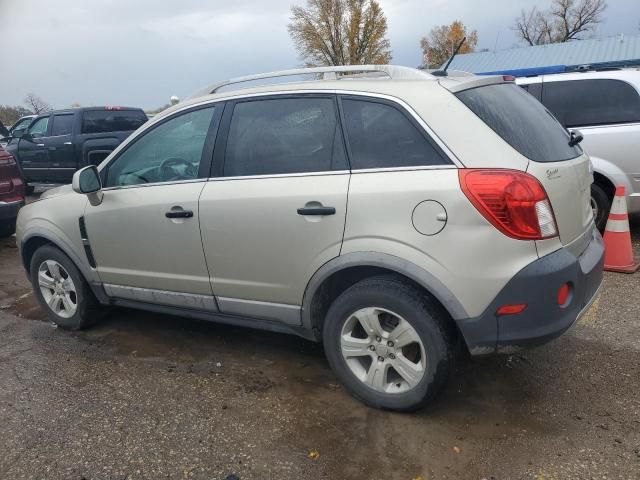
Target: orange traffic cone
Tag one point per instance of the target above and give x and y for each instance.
(618, 254)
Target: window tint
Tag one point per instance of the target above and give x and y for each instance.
(172, 151)
(382, 136)
(100, 121)
(288, 135)
(592, 102)
(39, 127)
(521, 121)
(62, 125)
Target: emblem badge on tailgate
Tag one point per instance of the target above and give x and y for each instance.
(553, 173)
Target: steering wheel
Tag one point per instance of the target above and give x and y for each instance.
(168, 173)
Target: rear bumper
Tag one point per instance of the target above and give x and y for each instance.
(9, 210)
(537, 286)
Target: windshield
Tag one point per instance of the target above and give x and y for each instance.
(521, 121)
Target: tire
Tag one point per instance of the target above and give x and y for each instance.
(601, 203)
(29, 189)
(389, 299)
(7, 228)
(87, 310)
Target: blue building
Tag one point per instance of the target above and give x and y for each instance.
(618, 51)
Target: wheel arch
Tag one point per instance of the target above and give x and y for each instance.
(340, 273)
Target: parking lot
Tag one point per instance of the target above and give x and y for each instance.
(144, 395)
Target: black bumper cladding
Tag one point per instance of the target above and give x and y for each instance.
(9, 211)
(537, 286)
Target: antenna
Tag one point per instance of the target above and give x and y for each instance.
(443, 72)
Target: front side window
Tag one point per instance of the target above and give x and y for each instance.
(102, 121)
(579, 103)
(172, 151)
(521, 121)
(381, 136)
(62, 125)
(39, 127)
(288, 135)
(21, 124)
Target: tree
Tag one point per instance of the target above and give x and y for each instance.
(439, 45)
(9, 114)
(564, 21)
(37, 104)
(340, 32)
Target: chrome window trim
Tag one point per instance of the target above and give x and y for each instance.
(280, 175)
(154, 184)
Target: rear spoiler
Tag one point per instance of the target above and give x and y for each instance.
(458, 83)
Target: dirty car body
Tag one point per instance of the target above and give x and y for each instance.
(390, 218)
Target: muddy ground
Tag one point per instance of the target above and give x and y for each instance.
(144, 395)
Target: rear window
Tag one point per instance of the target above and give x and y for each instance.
(579, 103)
(62, 125)
(101, 121)
(521, 121)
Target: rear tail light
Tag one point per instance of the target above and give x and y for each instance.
(7, 159)
(512, 201)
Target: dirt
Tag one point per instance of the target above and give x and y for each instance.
(143, 395)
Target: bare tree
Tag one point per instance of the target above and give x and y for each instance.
(36, 104)
(340, 32)
(565, 20)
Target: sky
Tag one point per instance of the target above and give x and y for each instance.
(141, 52)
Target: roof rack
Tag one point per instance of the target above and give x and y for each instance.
(328, 73)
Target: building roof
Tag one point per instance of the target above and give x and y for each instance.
(621, 50)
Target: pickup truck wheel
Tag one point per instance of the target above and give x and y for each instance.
(62, 290)
(388, 344)
(601, 204)
(7, 228)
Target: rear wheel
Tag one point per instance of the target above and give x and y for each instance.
(62, 290)
(7, 228)
(601, 204)
(388, 343)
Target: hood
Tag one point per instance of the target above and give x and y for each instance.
(56, 192)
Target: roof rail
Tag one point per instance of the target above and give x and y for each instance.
(328, 73)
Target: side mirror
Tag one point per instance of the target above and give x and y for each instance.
(87, 181)
(19, 133)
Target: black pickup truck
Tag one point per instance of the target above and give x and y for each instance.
(58, 143)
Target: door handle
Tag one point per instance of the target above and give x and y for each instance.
(317, 211)
(40, 144)
(179, 214)
(67, 143)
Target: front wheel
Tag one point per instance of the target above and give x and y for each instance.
(388, 343)
(7, 228)
(62, 290)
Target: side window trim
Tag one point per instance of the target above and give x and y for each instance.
(445, 153)
(207, 151)
(217, 171)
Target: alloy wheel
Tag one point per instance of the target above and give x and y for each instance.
(57, 288)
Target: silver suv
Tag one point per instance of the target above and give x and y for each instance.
(389, 213)
(605, 106)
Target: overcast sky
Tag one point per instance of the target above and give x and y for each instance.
(140, 52)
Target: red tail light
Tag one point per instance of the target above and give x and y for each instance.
(512, 201)
(7, 159)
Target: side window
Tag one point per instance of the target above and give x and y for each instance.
(579, 103)
(39, 127)
(172, 151)
(109, 120)
(62, 125)
(287, 135)
(381, 136)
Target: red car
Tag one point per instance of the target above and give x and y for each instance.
(11, 193)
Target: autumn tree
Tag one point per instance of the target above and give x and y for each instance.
(565, 20)
(340, 32)
(36, 104)
(439, 45)
(9, 113)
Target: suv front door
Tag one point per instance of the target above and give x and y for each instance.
(145, 235)
(275, 211)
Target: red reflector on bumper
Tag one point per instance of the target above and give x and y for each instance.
(563, 294)
(511, 309)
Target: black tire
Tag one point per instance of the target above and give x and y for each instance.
(29, 189)
(7, 228)
(88, 309)
(602, 203)
(423, 313)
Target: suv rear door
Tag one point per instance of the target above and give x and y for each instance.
(275, 211)
(62, 162)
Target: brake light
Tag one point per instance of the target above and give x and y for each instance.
(7, 159)
(508, 78)
(512, 201)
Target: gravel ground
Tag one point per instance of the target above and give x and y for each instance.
(147, 396)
